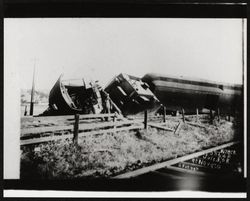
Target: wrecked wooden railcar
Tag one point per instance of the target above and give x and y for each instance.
(179, 92)
(71, 97)
(131, 95)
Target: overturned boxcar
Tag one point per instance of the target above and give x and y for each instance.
(179, 92)
(131, 94)
(71, 97)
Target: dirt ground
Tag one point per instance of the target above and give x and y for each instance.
(107, 155)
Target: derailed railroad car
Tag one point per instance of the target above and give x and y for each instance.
(179, 92)
(131, 95)
(70, 97)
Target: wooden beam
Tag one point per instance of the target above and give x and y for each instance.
(25, 111)
(171, 162)
(43, 129)
(183, 115)
(86, 116)
(164, 114)
(168, 116)
(36, 130)
(44, 139)
(211, 116)
(76, 129)
(32, 92)
(67, 117)
(197, 115)
(218, 114)
(94, 116)
(160, 127)
(114, 122)
(145, 119)
(177, 130)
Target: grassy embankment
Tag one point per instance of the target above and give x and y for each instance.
(113, 153)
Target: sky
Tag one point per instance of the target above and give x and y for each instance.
(100, 48)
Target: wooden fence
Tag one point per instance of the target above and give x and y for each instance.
(77, 129)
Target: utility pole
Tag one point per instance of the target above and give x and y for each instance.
(32, 91)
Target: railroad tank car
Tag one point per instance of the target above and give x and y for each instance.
(180, 92)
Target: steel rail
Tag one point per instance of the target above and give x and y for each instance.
(171, 162)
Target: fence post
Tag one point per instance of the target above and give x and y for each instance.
(211, 116)
(218, 113)
(114, 120)
(183, 114)
(145, 119)
(197, 114)
(164, 114)
(76, 129)
(25, 111)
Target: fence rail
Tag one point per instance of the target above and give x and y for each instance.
(81, 134)
(82, 129)
(70, 117)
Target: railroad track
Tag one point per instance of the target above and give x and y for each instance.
(212, 161)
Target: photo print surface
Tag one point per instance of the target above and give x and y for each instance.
(125, 99)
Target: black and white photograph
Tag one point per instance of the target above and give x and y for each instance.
(159, 100)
